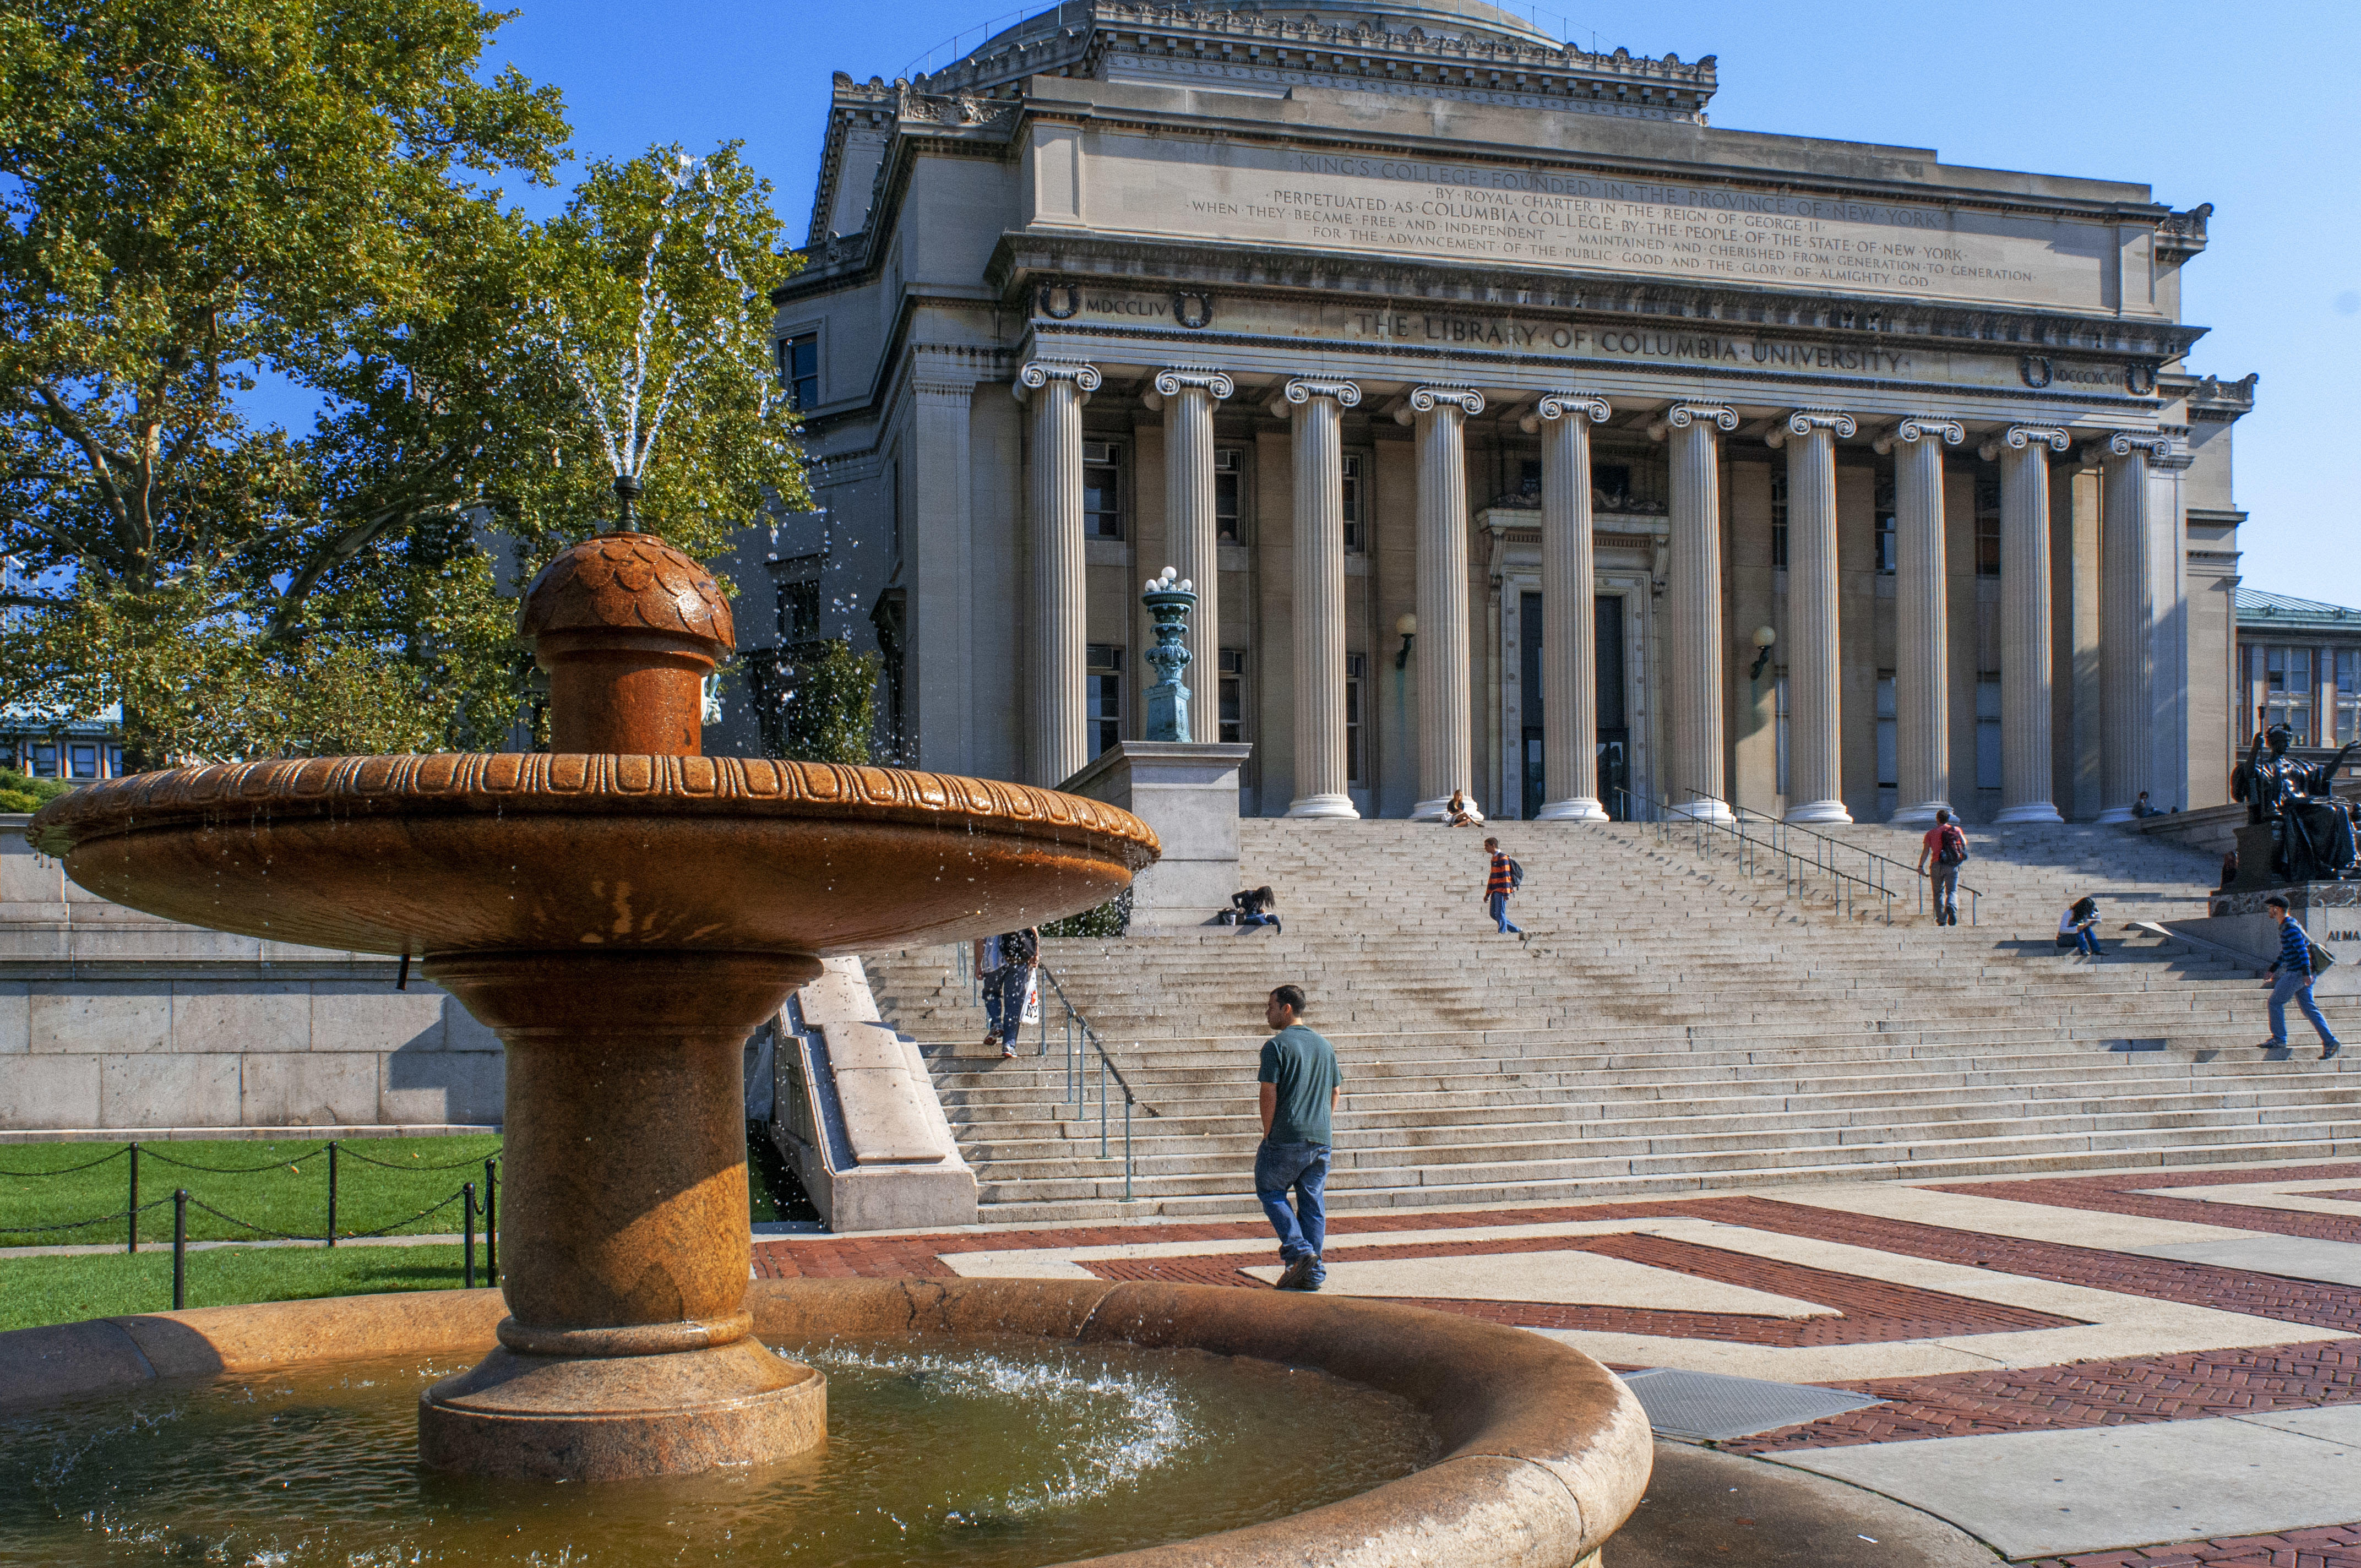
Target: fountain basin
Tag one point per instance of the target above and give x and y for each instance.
(1542, 1452)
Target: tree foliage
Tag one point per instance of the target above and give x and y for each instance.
(816, 709)
(195, 194)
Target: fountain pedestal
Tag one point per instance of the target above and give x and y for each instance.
(627, 1351)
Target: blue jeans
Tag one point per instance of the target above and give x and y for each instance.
(2289, 983)
(1498, 903)
(2087, 939)
(1302, 1167)
(1003, 1001)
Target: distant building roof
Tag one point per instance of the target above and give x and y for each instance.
(2257, 607)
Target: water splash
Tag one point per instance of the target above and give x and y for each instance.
(1126, 1423)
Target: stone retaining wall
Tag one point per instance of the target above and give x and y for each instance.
(113, 1021)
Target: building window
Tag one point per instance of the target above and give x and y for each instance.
(1102, 695)
(1987, 529)
(2348, 695)
(1226, 526)
(1354, 773)
(45, 758)
(2287, 690)
(800, 369)
(1988, 731)
(1230, 692)
(1353, 538)
(797, 582)
(1610, 485)
(1889, 748)
(1779, 550)
(1101, 490)
(115, 762)
(1779, 723)
(83, 760)
(1886, 547)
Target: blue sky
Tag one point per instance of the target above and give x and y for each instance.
(2242, 106)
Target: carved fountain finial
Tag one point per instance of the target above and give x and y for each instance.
(627, 628)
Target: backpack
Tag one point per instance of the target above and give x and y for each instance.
(1952, 850)
(1516, 875)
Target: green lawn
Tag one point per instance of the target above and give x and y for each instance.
(288, 1194)
(37, 1290)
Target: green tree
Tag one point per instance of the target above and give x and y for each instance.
(816, 709)
(200, 192)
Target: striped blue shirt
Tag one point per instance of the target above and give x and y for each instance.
(2295, 948)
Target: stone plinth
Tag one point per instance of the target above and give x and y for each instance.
(1187, 791)
(2330, 913)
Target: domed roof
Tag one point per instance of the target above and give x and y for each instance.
(1444, 18)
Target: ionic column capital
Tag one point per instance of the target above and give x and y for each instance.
(1558, 405)
(1302, 390)
(1038, 373)
(1917, 428)
(2017, 437)
(1803, 421)
(2123, 443)
(1169, 383)
(1426, 399)
(1680, 416)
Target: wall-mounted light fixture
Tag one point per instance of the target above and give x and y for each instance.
(1408, 626)
(1764, 637)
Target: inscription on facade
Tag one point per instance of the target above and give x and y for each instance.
(1542, 217)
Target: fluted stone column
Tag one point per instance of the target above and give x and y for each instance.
(1446, 747)
(1693, 785)
(1922, 729)
(1059, 741)
(2127, 620)
(1815, 740)
(2024, 666)
(1569, 626)
(1188, 399)
(1317, 407)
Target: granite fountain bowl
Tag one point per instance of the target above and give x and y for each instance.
(623, 911)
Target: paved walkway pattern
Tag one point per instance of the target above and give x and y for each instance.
(2152, 1367)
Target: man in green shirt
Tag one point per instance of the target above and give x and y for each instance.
(1300, 1079)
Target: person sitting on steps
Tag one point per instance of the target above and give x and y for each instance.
(1259, 908)
(2079, 927)
(1460, 814)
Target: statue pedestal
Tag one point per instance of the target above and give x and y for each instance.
(2330, 913)
(1187, 791)
(2254, 858)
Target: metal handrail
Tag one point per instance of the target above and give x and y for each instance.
(1079, 1033)
(1795, 865)
(1780, 826)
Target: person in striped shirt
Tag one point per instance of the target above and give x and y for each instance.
(2291, 976)
(1497, 885)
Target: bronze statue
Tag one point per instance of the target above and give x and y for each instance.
(2313, 839)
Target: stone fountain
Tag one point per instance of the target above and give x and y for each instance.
(624, 911)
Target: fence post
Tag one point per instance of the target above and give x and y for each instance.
(131, 1242)
(180, 1249)
(467, 1230)
(491, 1220)
(1103, 1125)
(1126, 1147)
(332, 1192)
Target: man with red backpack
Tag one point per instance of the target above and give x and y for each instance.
(1948, 849)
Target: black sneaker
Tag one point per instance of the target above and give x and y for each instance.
(2331, 1048)
(1298, 1274)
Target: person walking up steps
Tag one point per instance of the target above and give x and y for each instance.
(1301, 1079)
(1947, 848)
(2291, 976)
(1498, 883)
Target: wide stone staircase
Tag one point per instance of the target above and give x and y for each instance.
(1681, 1018)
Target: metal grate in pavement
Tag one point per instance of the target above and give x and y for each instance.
(1708, 1405)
